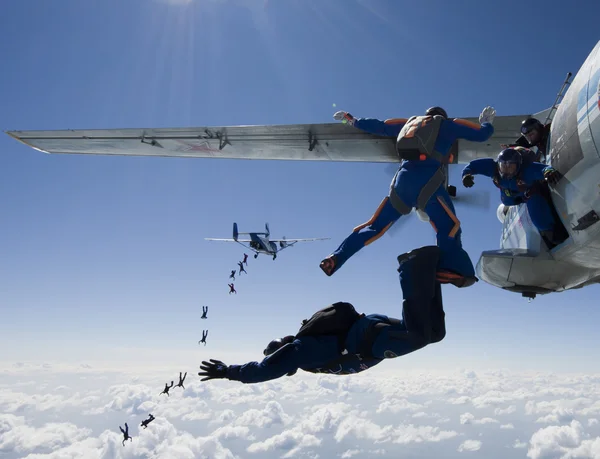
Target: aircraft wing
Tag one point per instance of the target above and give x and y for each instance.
(300, 240)
(226, 240)
(296, 142)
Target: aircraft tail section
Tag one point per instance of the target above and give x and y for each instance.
(235, 231)
(267, 229)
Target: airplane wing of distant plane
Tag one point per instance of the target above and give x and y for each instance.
(226, 240)
(296, 142)
(300, 240)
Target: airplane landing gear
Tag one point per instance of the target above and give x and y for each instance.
(256, 255)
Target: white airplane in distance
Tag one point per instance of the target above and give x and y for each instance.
(260, 242)
(524, 264)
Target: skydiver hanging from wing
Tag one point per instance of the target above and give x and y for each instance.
(145, 422)
(232, 289)
(232, 275)
(339, 340)
(125, 433)
(423, 145)
(204, 336)
(517, 176)
(241, 265)
(180, 383)
(204, 312)
(166, 389)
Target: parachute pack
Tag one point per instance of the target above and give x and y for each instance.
(336, 319)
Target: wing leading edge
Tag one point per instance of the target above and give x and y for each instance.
(295, 142)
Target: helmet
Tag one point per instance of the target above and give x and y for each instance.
(432, 111)
(532, 129)
(277, 344)
(509, 163)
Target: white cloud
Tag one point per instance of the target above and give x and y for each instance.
(470, 445)
(75, 411)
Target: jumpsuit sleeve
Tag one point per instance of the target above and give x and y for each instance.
(387, 128)
(273, 366)
(510, 200)
(535, 172)
(482, 166)
(467, 130)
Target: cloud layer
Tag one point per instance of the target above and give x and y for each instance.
(72, 412)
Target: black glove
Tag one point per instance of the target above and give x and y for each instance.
(215, 369)
(552, 176)
(468, 181)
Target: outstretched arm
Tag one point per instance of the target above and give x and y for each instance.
(387, 128)
(467, 130)
(482, 166)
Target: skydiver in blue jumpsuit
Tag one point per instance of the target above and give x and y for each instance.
(369, 340)
(419, 183)
(518, 181)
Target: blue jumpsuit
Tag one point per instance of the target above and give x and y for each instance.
(422, 323)
(518, 189)
(411, 178)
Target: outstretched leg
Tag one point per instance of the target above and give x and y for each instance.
(363, 235)
(455, 265)
(423, 318)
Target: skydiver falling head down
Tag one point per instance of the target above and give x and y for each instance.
(338, 340)
(204, 312)
(180, 383)
(125, 433)
(232, 289)
(145, 422)
(204, 336)
(241, 265)
(166, 389)
(232, 275)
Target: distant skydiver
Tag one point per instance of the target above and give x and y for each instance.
(423, 145)
(232, 275)
(204, 336)
(245, 261)
(166, 390)
(204, 312)
(338, 340)
(241, 265)
(125, 433)
(180, 383)
(145, 422)
(232, 289)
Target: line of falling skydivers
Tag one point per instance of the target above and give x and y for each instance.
(339, 340)
(232, 274)
(151, 418)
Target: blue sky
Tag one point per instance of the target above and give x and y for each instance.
(102, 253)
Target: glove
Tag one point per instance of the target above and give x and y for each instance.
(344, 117)
(468, 181)
(487, 115)
(552, 176)
(215, 369)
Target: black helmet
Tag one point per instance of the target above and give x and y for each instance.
(277, 343)
(432, 111)
(509, 163)
(529, 124)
